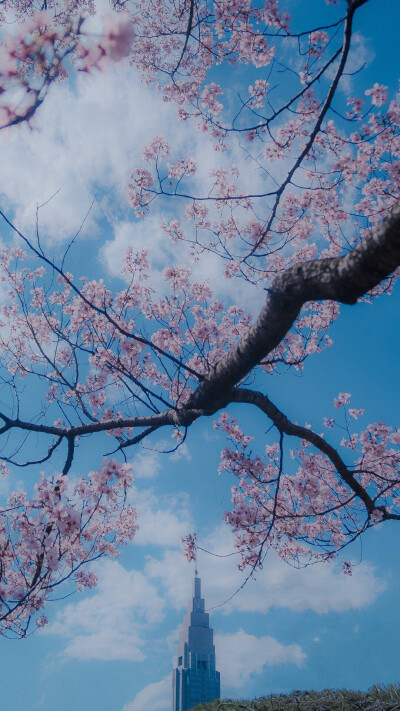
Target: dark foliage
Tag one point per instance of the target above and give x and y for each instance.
(376, 699)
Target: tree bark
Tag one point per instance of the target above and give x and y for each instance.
(344, 279)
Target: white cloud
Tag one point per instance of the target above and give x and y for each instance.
(171, 640)
(319, 588)
(154, 697)
(76, 148)
(361, 54)
(76, 153)
(116, 621)
(242, 655)
(147, 234)
(181, 453)
(111, 623)
(106, 645)
(162, 521)
(175, 575)
(144, 234)
(146, 464)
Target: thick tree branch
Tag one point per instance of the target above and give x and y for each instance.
(344, 279)
(183, 417)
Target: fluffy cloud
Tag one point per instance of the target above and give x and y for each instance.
(242, 655)
(74, 168)
(146, 233)
(319, 588)
(146, 464)
(182, 452)
(75, 155)
(162, 520)
(172, 570)
(361, 54)
(76, 149)
(154, 697)
(139, 236)
(110, 623)
(115, 620)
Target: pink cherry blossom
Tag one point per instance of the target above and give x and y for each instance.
(189, 544)
(321, 170)
(378, 94)
(342, 399)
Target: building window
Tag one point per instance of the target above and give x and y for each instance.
(179, 661)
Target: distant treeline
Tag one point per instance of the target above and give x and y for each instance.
(378, 698)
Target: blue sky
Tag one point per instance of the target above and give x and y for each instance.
(112, 649)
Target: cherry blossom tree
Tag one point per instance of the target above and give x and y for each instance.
(315, 222)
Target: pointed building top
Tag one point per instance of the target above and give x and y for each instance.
(196, 603)
(195, 678)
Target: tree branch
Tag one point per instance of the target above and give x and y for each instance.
(285, 426)
(344, 279)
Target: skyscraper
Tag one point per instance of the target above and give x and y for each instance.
(195, 679)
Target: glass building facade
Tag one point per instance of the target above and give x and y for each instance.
(195, 678)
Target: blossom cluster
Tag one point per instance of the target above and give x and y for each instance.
(116, 360)
(306, 512)
(189, 544)
(47, 538)
(260, 236)
(35, 56)
(188, 326)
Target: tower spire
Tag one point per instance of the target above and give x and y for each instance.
(195, 678)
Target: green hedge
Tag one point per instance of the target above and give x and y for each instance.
(376, 699)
